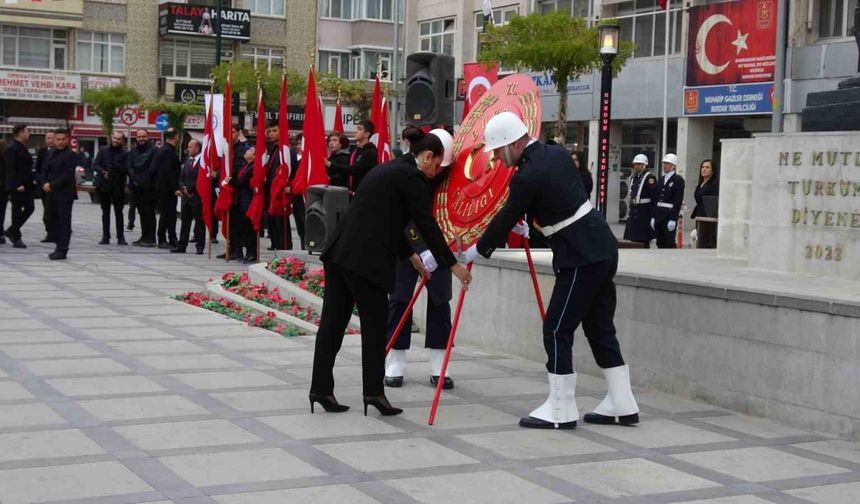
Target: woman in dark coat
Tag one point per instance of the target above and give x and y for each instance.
(244, 194)
(339, 155)
(709, 185)
(581, 166)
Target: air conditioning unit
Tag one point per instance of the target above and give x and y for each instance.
(623, 195)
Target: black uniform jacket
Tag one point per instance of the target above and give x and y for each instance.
(669, 192)
(188, 177)
(364, 159)
(19, 168)
(710, 188)
(549, 189)
(60, 173)
(141, 171)
(335, 177)
(113, 161)
(166, 162)
(241, 180)
(370, 239)
(643, 199)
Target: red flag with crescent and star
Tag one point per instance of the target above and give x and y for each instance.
(731, 43)
(478, 79)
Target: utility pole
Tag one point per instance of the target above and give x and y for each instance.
(395, 68)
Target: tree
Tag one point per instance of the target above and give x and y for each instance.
(176, 113)
(106, 101)
(556, 43)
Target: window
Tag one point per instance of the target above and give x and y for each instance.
(266, 7)
(100, 52)
(437, 36)
(269, 58)
(501, 17)
(378, 9)
(836, 18)
(334, 63)
(31, 47)
(374, 62)
(643, 22)
(337, 9)
(578, 8)
(187, 59)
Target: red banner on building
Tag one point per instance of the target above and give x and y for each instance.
(731, 43)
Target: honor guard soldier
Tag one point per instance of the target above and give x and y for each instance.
(643, 196)
(585, 258)
(438, 297)
(670, 197)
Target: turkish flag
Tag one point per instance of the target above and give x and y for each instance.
(258, 178)
(731, 43)
(311, 170)
(478, 78)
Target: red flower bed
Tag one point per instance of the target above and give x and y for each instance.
(237, 312)
(240, 284)
(296, 271)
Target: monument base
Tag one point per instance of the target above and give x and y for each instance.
(837, 110)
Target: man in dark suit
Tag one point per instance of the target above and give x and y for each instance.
(191, 204)
(584, 259)
(278, 225)
(42, 158)
(643, 198)
(141, 174)
(360, 260)
(238, 150)
(670, 197)
(168, 167)
(362, 159)
(111, 168)
(60, 184)
(20, 182)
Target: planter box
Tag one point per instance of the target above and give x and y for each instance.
(214, 287)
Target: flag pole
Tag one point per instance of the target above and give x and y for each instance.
(208, 171)
(405, 316)
(228, 159)
(533, 273)
(665, 143)
(259, 97)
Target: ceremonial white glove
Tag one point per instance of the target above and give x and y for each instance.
(652, 223)
(429, 261)
(671, 225)
(471, 254)
(522, 229)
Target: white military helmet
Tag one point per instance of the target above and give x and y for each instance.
(671, 158)
(503, 129)
(641, 158)
(447, 143)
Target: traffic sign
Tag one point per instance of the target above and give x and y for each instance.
(161, 122)
(129, 116)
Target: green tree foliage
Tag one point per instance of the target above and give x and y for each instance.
(176, 113)
(106, 101)
(557, 43)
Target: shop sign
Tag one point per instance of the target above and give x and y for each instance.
(32, 86)
(190, 93)
(200, 21)
(101, 82)
(735, 99)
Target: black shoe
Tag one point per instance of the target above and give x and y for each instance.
(393, 381)
(329, 403)
(221, 256)
(270, 247)
(177, 250)
(47, 239)
(537, 423)
(147, 244)
(121, 241)
(236, 257)
(199, 251)
(249, 260)
(129, 227)
(57, 255)
(18, 244)
(214, 241)
(2, 240)
(448, 384)
(104, 241)
(164, 246)
(595, 418)
(381, 403)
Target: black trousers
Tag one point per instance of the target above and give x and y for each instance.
(438, 319)
(167, 219)
(48, 214)
(280, 233)
(116, 199)
(22, 209)
(665, 238)
(146, 200)
(299, 216)
(246, 237)
(191, 211)
(132, 207)
(4, 200)
(582, 295)
(343, 290)
(61, 222)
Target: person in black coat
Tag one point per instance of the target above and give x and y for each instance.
(581, 165)
(362, 159)
(670, 198)
(111, 169)
(360, 261)
(142, 177)
(643, 200)
(238, 149)
(709, 185)
(60, 183)
(42, 158)
(280, 232)
(191, 205)
(168, 168)
(242, 228)
(20, 182)
(338, 147)
(584, 259)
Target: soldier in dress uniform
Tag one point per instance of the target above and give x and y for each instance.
(643, 196)
(670, 197)
(584, 260)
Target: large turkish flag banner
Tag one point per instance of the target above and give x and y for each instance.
(731, 43)
(478, 79)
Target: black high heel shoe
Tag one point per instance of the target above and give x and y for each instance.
(329, 403)
(381, 403)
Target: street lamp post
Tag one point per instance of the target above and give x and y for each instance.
(609, 34)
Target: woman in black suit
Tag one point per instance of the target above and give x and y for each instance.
(360, 260)
(709, 185)
(244, 194)
(580, 163)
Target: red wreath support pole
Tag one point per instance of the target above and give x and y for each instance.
(534, 279)
(405, 316)
(451, 336)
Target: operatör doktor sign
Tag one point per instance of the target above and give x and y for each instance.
(15, 85)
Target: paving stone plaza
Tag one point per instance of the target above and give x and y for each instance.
(111, 392)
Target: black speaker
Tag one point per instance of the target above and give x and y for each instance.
(325, 206)
(429, 89)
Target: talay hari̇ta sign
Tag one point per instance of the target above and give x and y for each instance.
(731, 51)
(200, 21)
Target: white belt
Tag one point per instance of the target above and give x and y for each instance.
(558, 226)
(665, 205)
(641, 201)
